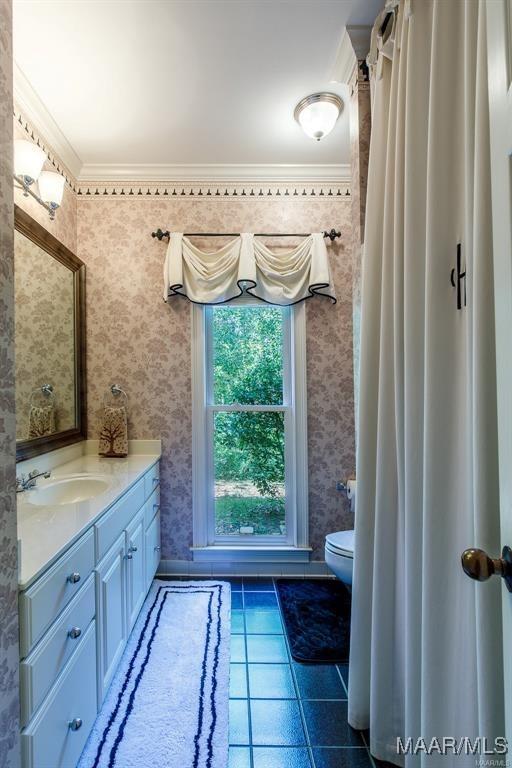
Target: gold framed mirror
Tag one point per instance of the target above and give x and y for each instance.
(49, 340)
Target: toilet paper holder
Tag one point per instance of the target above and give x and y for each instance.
(343, 485)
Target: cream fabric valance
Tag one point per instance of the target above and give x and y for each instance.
(247, 266)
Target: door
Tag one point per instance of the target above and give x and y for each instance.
(111, 613)
(135, 570)
(499, 44)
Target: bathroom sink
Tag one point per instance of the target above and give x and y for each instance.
(68, 490)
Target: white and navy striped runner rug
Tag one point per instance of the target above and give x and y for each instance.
(167, 706)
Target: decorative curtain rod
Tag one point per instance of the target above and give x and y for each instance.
(160, 234)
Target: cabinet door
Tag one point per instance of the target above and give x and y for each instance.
(135, 567)
(111, 613)
(152, 549)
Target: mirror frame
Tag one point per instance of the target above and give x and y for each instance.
(26, 449)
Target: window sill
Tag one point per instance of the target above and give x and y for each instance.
(251, 554)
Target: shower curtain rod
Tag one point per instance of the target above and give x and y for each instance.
(160, 234)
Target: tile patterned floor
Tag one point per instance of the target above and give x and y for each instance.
(283, 714)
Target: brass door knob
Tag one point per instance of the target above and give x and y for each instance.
(479, 566)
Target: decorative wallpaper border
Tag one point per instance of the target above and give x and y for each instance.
(171, 189)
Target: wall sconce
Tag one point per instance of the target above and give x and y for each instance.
(317, 114)
(28, 163)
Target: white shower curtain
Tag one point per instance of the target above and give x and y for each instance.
(425, 657)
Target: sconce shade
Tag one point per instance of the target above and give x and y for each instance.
(28, 159)
(317, 114)
(51, 187)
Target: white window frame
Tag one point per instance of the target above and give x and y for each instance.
(295, 545)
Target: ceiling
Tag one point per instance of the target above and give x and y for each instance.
(163, 82)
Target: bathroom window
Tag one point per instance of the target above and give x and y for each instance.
(250, 463)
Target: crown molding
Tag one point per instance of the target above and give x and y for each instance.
(35, 112)
(213, 172)
(360, 38)
(346, 61)
(32, 110)
(354, 47)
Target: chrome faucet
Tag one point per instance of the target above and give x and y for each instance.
(26, 483)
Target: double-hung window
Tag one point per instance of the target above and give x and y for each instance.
(249, 426)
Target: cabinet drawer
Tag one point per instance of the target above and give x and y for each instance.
(151, 507)
(43, 601)
(40, 669)
(151, 480)
(152, 549)
(49, 741)
(117, 518)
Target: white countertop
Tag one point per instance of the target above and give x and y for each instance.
(45, 532)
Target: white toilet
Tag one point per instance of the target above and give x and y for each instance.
(339, 554)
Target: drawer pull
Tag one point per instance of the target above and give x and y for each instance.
(128, 557)
(75, 724)
(74, 578)
(74, 633)
(132, 548)
(157, 549)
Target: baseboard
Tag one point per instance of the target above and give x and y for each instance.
(191, 568)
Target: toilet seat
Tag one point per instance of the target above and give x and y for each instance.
(340, 543)
(339, 554)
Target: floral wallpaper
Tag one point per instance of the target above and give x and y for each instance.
(44, 301)
(360, 131)
(137, 341)
(9, 655)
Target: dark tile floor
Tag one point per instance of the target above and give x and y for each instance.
(283, 714)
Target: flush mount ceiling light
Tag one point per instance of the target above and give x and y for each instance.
(28, 163)
(317, 114)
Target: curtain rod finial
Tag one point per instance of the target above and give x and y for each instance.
(160, 234)
(332, 235)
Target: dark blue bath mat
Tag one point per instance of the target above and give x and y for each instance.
(317, 618)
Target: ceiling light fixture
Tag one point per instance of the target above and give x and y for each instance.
(28, 163)
(317, 114)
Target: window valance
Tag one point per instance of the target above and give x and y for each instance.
(247, 266)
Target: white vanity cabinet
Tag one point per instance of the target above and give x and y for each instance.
(135, 568)
(111, 611)
(152, 536)
(75, 620)
(57, 734)
(152, 548)
(43, 601)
